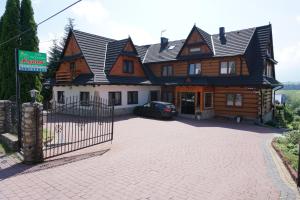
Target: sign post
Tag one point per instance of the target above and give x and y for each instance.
(27, 62)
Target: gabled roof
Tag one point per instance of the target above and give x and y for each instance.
(100, 54)
(93, 48)
(114, 49)
(236, 42)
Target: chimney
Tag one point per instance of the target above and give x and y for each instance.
(222, 35)
(163, 42)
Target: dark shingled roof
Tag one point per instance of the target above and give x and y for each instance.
(236, 42)
(93, 48)
(156, 54)
(101, 53)
(114, 49)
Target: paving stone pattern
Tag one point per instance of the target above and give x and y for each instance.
(152, 159)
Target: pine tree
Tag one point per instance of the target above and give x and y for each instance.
(70, 26)
(29, 42)
(10, 28)
(53, 62)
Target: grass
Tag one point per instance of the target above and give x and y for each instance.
(293, 97)
(289, 153)
(4, 149)
(47, 136)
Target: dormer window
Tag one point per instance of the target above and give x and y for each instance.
(167, 71)
(268, 71)
(171, 47)
(195, 50)
(228, 68)
(128, 67)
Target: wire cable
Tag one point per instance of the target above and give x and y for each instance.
(29, 29)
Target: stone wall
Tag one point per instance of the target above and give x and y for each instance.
(5, 116)
(32, 129)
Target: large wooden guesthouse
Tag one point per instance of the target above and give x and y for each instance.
(228, 74)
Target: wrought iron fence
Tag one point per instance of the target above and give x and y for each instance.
(75, 124)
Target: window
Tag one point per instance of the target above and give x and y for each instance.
(228, 68)
(73, 69)
(114, 98)
(132, 97)
(195, 69)
(208, 100)
(167, 71)
(269, 70)
(84, 98)
(128, 67)
(171, 47)
(238, 100)
(234, 100)
(153, 95)
(195, 50)
(167, 96)
(61, 97)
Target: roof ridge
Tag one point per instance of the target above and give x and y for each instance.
(92, 34)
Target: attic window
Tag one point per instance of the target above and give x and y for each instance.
(171, 47)
(195, 49)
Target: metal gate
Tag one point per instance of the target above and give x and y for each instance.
(73, 124)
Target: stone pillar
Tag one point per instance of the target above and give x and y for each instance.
(32, 130)
(5, 116)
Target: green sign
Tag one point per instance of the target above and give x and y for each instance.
(32, 61)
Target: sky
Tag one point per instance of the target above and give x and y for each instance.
(144, 20)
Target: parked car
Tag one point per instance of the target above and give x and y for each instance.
(156, 109)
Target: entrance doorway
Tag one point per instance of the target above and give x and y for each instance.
(188, 103)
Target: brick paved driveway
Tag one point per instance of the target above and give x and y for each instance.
(151, 159)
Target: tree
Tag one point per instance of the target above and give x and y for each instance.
(53, 62)
(29, 42)
(10, 28)
(55, 54)
(70, 26)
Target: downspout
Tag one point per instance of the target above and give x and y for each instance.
(279, 88)
(261, 106)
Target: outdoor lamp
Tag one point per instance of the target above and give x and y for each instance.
(33, 94)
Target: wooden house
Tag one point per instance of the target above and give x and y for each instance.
(226, 74)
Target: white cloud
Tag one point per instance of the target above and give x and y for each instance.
(288, 68)
(46, 42)
(298, 18)
(92, 11)
(98, 19)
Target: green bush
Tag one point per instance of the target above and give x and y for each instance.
(292, 137)
(297, 111)
(288, 114)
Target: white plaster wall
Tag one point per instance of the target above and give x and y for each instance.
(102, 91)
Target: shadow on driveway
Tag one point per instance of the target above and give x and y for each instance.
(20, 168)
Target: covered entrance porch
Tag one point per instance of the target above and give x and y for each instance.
(194, 101)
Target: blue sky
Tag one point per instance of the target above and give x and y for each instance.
(143, 20)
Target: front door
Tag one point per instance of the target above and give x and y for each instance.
(188, 103)
(154, 95)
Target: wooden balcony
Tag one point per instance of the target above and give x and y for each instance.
(63, 77)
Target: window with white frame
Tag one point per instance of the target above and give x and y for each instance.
(269, 70)
(208, 100)
(227, 68)
(194, 69)
(234, 100)
(61, 97)
(195, 50)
